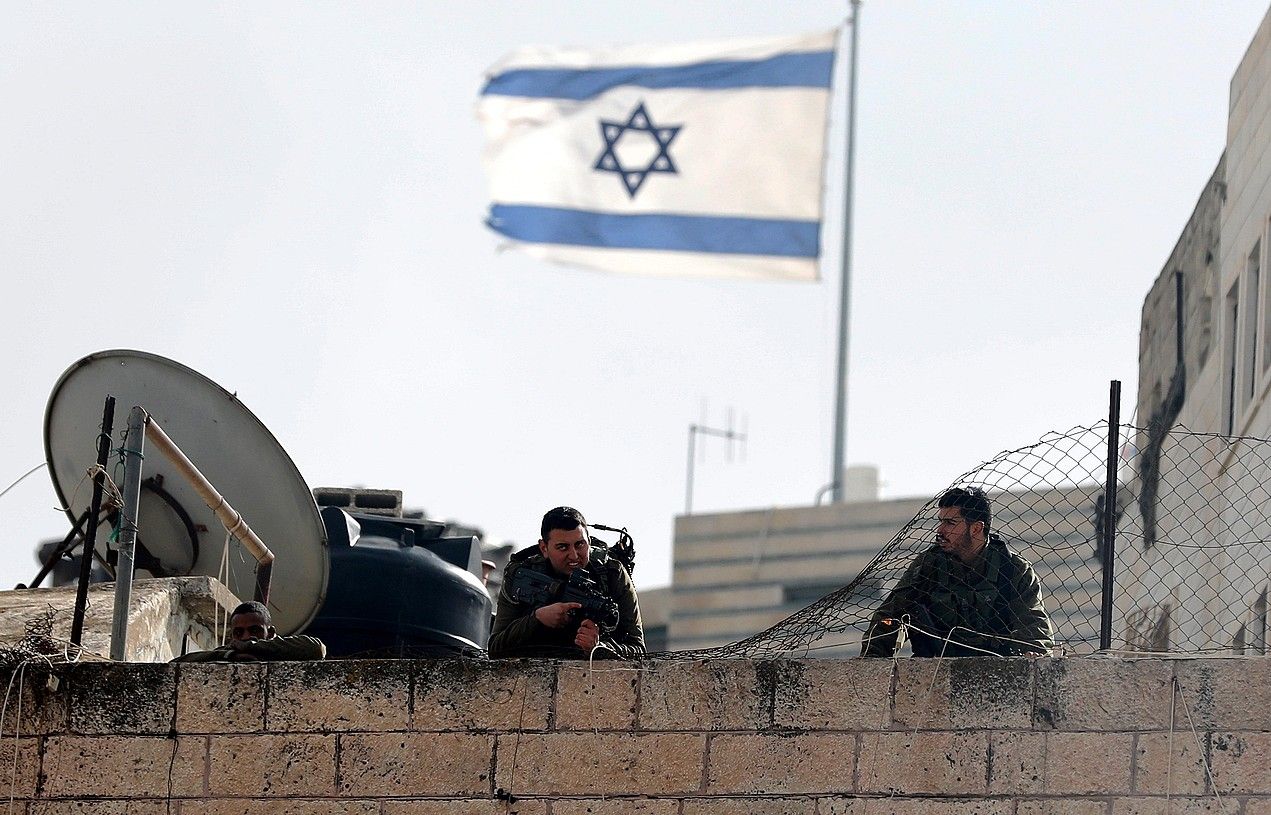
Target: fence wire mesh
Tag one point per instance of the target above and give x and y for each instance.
(1192, 547)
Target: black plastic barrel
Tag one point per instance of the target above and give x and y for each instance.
(397, 588)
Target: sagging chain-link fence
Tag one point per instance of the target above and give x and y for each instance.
(1191, 544)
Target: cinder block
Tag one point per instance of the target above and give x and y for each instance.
(1172, 806)
(405, 764)
(278, 806)
(1225, 694)
(601, 696)
(1158, 770)
(849, 694)
(479, 806)
(469, 695)
(220, 698)
(1099, 693)
(368, 695)
(704, 695)
(22, 779)
(1088, 763)
(912, 806)
(1241, 762)
(1017, 762)
(122, 697)
(991, 693)
(44, 709)
(924, 763)
(123, 767)
(594, 764)
(271, 765)
(963, 693)
(1070, 806)
(750, 806)
(781, 763)
(616, 806)
(126, 807)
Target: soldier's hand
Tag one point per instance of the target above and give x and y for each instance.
(588, 635)
(556, 615)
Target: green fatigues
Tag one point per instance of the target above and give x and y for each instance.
(298, 648)
(518, 633)
(995, 596)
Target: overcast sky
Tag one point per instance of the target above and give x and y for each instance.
(289, 199)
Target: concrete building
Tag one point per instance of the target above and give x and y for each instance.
(1198, 579)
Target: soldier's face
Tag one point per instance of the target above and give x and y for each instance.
(955, 536)
(243, 627)
(566, 549)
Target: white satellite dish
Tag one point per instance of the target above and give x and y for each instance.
(227, 443)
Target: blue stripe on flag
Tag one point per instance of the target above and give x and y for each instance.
(805, 69)
(680, 233)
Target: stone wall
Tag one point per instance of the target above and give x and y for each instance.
(1001, 737)
(167, 616)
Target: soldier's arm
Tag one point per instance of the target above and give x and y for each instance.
(297, 648)
(884, 627)
(515, 626)
(627, 640)
(221, 654)
(1032, 625)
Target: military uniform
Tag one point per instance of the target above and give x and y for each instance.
(518, 633)
(298, 648)
(975, 605)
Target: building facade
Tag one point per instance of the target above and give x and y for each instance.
(1201, 578)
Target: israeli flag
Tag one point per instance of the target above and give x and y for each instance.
(697, 159)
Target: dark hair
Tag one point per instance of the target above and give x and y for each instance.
(971, 502)
(252, 607)
(566, 518)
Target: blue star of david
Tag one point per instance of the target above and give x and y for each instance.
(637, 123)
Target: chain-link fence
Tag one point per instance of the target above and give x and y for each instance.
(1191, 557)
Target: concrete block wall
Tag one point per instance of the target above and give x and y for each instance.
(817, 737)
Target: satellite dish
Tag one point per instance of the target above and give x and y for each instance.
(229, 445)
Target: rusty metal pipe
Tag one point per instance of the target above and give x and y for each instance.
(234, 523)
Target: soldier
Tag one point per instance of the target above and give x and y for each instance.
(253, 638)
(968, 595)
(552, 627)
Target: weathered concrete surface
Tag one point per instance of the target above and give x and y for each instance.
(1083, 736)
(163, 613)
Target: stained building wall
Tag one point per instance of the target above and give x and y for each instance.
(849, 737)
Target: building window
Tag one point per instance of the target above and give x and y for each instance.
(1230, 333)
(1249, 347)
(1258, 625)
(1266, 325)
(805, 594)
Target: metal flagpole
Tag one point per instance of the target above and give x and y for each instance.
(845, 280)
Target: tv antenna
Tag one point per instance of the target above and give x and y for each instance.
(728, 433)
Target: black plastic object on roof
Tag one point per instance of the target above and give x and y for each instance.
(397, 588)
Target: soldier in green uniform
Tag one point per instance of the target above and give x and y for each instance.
(253, 638)
(968, 595)
(557, 628)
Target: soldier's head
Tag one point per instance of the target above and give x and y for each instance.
(251, 621)
(564, 541)
(962, 527)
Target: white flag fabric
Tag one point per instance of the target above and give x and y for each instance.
(700, 159)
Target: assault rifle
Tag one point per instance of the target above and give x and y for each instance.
(534, 588)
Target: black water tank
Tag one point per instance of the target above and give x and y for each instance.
(397, 588)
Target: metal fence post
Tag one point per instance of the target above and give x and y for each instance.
(1110, 514)
(95, 507)
(134, 454)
